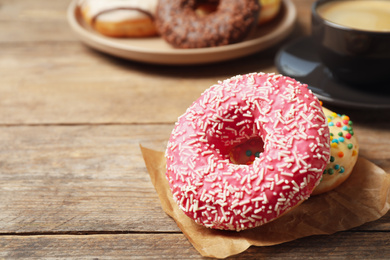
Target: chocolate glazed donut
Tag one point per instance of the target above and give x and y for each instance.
(180, 26)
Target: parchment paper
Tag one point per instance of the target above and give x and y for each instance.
(364, 197)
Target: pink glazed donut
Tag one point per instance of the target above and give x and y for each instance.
(278, 114)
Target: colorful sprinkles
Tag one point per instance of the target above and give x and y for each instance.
(341, 132)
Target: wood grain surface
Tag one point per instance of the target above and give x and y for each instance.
(73, 183)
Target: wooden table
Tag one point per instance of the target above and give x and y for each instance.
(73, 183)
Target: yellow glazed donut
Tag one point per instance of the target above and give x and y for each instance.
(269, 10)
(344, 152)
(118, 18)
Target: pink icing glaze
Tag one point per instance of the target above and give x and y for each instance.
(216, 193)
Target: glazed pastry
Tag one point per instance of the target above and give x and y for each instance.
(269, 10)
(120, 18)
(280, 119)
(344, 152)
(179, 24)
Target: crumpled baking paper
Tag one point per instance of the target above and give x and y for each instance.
(364, 197)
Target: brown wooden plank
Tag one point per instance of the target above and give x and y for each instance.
(34, 21)
(69, 83)
(344, 245)
(374, 141)
(94, 90)
(79, 178)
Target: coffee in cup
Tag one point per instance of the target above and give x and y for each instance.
(353, 39)
(370, 15)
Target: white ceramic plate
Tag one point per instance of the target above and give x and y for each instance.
(156, 50)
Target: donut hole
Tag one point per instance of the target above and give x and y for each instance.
(247, 152)
(204, 8)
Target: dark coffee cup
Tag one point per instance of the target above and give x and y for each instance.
(354, 54)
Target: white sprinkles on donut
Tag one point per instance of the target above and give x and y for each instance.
(219, 194)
